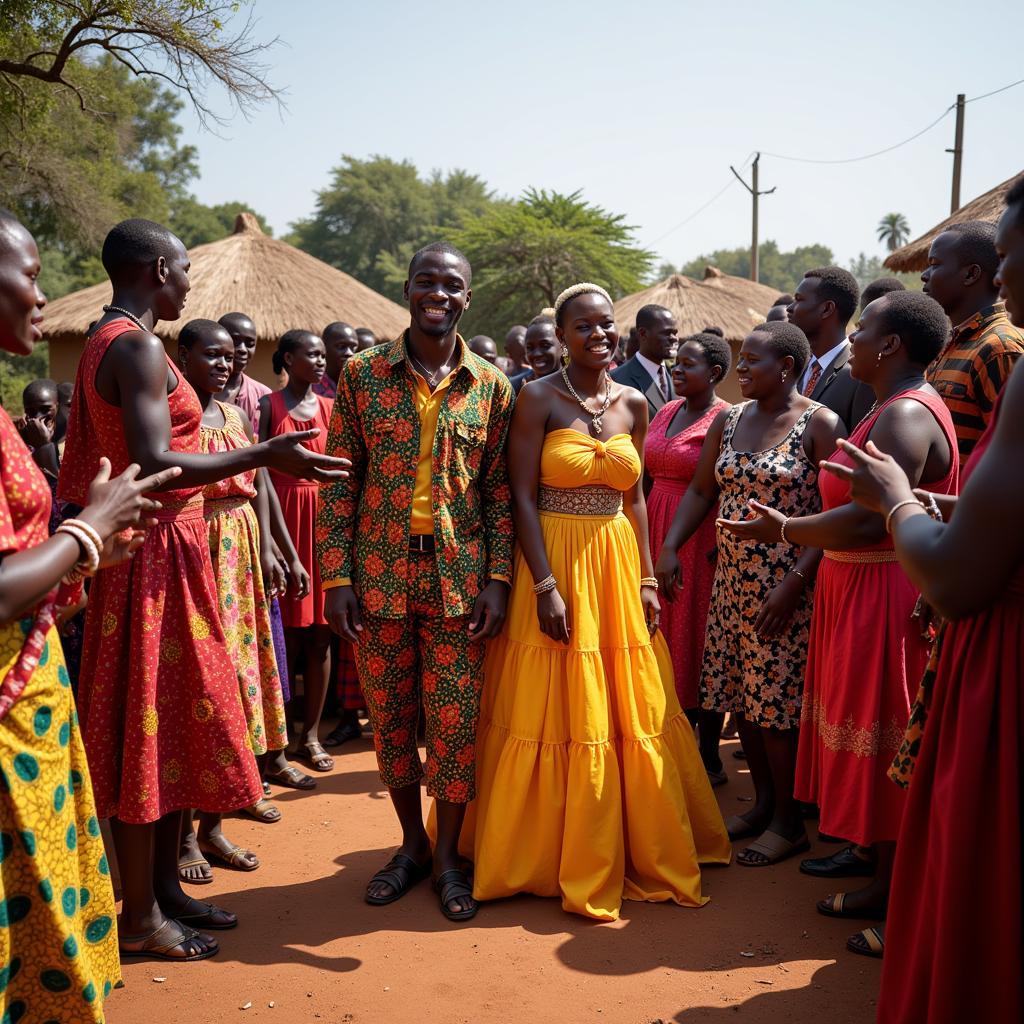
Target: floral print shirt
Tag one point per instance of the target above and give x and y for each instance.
(364, 522)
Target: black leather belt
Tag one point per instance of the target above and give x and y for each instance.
(422, 543)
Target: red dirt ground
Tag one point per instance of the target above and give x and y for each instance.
(308, 948)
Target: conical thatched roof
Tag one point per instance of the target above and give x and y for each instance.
(279, 286)
(914, 255)
(697, 304)
(757, 296)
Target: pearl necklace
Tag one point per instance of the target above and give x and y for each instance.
(125, 312)
(597, 417)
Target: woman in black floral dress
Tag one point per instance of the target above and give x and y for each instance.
(767, 449)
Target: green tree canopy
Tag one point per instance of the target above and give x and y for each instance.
(528, 251)
(376, 213)
(776, 269)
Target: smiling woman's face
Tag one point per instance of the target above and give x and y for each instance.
(588, 330)
(207, 364)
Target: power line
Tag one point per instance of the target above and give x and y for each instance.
(898, 145)
(700, 209)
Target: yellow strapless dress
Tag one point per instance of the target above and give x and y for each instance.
(589, 782)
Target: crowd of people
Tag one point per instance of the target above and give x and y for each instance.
(568, 570)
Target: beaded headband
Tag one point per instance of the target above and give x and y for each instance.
(583, 288)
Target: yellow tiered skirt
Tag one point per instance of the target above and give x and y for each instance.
(590, 785)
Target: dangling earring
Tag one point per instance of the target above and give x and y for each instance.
(783, 378)
(565, 356)
(879, 363)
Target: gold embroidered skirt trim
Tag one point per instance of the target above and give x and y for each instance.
(862, 557)
(579, 501)
(216, 506)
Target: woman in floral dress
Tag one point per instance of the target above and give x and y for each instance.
(755, 650)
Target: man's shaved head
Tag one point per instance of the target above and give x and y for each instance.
(138, 243)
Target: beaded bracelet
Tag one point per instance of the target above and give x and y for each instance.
(782, 530)
(90, 561)
(89, 530)
(896, 508)
(649, 581)
(546, 584)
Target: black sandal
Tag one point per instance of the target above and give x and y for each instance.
(210, 916)
(401, 873)
(343, 733)
(452, 885)
(159, 944)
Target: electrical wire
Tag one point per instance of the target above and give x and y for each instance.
(700, 209)
(898, 145)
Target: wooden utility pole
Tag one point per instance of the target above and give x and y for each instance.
(958, 152)
(754, 193)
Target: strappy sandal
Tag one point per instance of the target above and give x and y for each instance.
(835, 906)
(774, 848)
(210, 916)
(235, 858)
(263, 810)
(869, 942)
(315, 756)
(292, 778)
(401, 873)
(158, 944)
(453, 885)
(194, 863)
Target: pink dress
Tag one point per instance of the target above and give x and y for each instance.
(672, 463)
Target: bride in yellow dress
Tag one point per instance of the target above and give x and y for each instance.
(589, 782)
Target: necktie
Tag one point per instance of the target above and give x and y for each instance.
(663, 382)
(813, 379)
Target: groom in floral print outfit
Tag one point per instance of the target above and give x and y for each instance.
(416, 557)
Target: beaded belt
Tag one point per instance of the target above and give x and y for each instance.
(216, 506)
(862, 557)
(579, 501)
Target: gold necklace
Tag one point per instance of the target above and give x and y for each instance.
(597, 417)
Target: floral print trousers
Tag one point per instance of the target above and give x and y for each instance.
(424, 659)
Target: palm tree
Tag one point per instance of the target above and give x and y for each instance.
(894, 230)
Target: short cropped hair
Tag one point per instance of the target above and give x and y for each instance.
(786, 339)
(649, 315)
(920, 322)
(783, 300)
(878, 288)
(715, 348)
(976, 243)
(136, 243)
(195, 330)
(840, 286)
(445, 247)
(37, 388)
(1015, 197)
(570, 293)
(714, 330)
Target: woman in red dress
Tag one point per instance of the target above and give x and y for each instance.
(955, 940)
(671, 454)
(857, 694)
(308, 637)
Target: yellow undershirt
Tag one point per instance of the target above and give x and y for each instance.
(428, 407)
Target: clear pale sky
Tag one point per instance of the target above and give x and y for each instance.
(642, 105)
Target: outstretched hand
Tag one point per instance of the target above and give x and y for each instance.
(766, 526)
(877, 481)
(286, 454)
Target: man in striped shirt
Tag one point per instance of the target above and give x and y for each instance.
(970, 371)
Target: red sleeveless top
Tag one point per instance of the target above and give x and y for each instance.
(836, 492)
(96, 428)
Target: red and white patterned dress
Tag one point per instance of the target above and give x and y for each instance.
(158, 697)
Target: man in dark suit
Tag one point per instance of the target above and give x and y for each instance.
(657, 339)
(822, 306)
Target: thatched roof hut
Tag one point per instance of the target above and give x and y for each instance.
(279, 286)
(757, 296)
(914, 255)
(698, 304)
